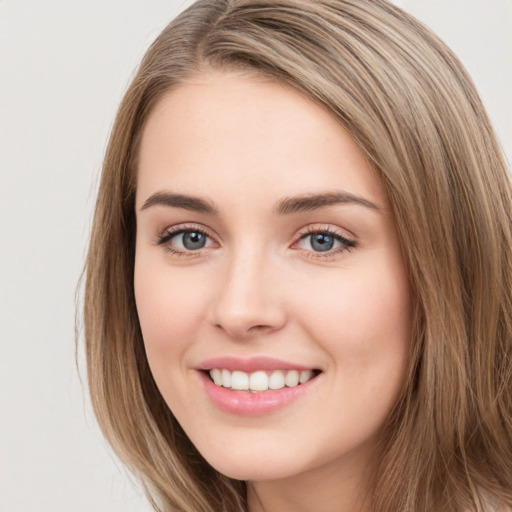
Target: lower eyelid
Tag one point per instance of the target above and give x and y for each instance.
(342, 246)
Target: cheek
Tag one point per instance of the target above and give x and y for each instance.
(364, 321)
(169, 308)
(367, 333)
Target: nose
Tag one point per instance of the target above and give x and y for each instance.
(249, 299)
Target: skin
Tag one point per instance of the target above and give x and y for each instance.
(259, 287)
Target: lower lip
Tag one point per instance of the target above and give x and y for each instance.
(253, 404)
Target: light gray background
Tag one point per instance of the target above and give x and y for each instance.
(63, 68)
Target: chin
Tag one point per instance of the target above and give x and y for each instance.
(250, 471)
(263, 462)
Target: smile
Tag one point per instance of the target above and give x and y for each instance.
(256, 386)
(261, 380)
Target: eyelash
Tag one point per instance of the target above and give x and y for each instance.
(165, 237)
(346, 243)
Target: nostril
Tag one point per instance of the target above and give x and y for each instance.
(244, 331)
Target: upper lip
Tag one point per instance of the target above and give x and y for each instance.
(250, 365)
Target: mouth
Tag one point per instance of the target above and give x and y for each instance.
(256, 386)
(259, 381)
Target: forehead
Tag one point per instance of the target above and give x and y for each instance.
(228, 132)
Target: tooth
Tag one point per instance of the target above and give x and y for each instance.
(258, 381)
(292, 378)
(239, 381)
(276, 380)
(216, 375)
(226, 378)
(305, 375)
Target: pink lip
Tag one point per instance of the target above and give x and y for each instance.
(253, 404)
(250, 365)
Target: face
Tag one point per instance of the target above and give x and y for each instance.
(270, 286)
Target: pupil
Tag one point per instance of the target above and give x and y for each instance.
(322, 243)
(194, 240)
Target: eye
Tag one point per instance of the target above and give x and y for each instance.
(190, 240)
(321, 242)
(184, 240)
(324, 241)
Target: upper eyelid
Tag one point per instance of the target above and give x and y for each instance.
(328, 228)
(349, 243)
(169, 232)
(178, 228)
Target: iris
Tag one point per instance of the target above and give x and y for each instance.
(321, 242)
(193, 240)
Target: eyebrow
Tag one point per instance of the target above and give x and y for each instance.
(310, 202)
(286, 206)
(185, 202)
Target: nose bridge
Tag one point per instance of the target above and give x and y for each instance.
(248, 299)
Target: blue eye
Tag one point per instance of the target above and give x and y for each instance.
(325, 242)
(321, 242)
(185, 240)
(193, 240)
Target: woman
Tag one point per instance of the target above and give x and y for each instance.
(298, 288)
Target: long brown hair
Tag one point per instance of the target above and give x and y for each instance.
(412, 108)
